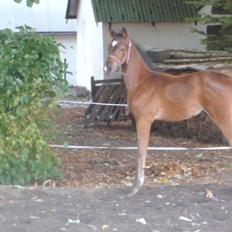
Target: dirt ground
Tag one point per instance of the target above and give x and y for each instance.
(184, 191)
(91, 168)
(161, 208)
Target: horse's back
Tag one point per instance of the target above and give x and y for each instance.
(218, 83)
(217, 94)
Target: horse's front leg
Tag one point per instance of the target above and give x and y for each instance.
(143, 127)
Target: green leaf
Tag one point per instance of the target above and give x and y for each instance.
(199, 156)
(30, 3)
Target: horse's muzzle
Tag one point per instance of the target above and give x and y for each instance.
(111, 69)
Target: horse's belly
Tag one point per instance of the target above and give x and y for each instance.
(177, 113)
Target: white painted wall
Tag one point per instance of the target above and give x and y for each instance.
(49, 15)
(69, 53)
(89, 46)
(46, 17)
(162, 35)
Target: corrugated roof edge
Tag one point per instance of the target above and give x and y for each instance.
(146, 11)
(72, 8)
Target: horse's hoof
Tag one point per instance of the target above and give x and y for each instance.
(133, 192)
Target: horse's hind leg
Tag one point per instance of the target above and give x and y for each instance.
(227, 131)
(223, 119)
(143, 127)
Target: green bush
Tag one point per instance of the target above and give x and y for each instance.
(31, 72)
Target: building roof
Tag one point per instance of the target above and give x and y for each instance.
(48, 16)
(120, 11)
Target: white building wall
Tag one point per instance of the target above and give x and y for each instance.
(89, 46)
(46, 17)
(69, 53)
(162, 35)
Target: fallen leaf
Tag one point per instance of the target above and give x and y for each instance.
(105, 227)
(200, 155)
(34, 217)
(209, 194)
(122, 214)
(75, 221)
(185, 219)
(92, 227)
(160, 196)
(142, 221)
(164, 181)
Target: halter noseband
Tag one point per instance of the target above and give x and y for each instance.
(126, 57)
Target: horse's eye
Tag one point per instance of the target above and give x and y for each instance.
(122, 49)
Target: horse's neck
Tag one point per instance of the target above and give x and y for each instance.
(136, 72)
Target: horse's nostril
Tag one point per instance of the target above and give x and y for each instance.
(118, 69)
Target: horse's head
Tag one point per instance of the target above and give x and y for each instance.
(118, 51)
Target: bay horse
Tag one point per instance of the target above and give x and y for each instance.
(153, 95)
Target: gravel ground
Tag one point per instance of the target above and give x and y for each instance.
(192, 208)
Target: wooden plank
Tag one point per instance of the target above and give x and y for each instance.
(114, 115)
(93, 87)
(187, 61)
(108, 99)
(94, 116)
(92, 110)
(115, 96)
(95, 98)
(108, 81)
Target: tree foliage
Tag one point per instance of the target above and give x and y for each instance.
(30, 74)
(222, 40)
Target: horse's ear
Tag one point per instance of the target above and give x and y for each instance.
(111, 32)
(124, 32)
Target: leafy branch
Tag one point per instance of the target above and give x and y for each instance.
(29, 2)
(222, 39)
(30, 74)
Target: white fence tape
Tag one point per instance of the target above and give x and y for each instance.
(135, 148)
(90, 103)
(129, 148)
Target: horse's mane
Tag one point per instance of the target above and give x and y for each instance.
(145, 58)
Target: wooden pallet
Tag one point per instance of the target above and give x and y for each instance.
(106, 91)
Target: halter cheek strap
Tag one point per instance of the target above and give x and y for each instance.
(126, 57)
(128, 52)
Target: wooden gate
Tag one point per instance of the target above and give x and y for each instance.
(106, 91)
